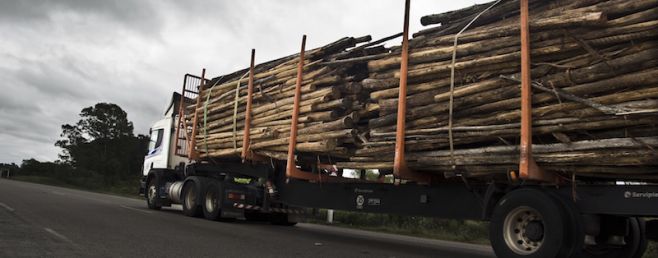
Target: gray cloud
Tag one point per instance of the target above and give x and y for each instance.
(57, 57)
(143, 16)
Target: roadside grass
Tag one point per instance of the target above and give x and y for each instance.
(652, 250)
(468, 231)
(125, 188)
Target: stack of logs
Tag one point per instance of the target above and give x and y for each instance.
(595, 91)
(329, 107)
(595, 102)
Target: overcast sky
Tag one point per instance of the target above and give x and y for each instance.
(57, 57)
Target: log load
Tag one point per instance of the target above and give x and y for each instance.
(330, 106)
(595, 95)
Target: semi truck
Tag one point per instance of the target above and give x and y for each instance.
(527, 217)
(601, 219)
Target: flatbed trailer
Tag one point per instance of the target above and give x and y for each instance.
(532, 214)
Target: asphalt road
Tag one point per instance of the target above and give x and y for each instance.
(40, 220)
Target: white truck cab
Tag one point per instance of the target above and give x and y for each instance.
(162, 144)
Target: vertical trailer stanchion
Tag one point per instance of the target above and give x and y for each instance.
(181, 116)
(192, 153)
(291, 168)
(400, 168)
(247, 117)
(528, 168)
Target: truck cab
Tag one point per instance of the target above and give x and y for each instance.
(162, 146)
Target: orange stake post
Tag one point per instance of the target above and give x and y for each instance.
(528, 168)
(192, 153)
(400, 168)
(247, 116)
(292, 144)
(291, 168)
(181, 117)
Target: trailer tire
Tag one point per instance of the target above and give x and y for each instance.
(190, 199)
(527, 223)
(152, 194)
(212, 201)
(573, 226)
(643, 243)
(636, 243)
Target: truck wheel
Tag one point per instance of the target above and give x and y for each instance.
(527, 223)
(153, 194)
(191, 206)
(283, 219)
(256, 216)
(636, 243)
(212, 201)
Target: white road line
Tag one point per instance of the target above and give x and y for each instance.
(58, 193)
(135, 209)
(10, 209)
(58, 235)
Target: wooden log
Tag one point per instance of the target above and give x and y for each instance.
(567, 20)
(305, 137)
(442, 68)
(641, 142)
(374, 84)
(612, 158)
(316, 147)
(452, 15)
(343, 123)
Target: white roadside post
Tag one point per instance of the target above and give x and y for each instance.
(330, 216)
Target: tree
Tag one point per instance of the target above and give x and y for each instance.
(103, 141)
(105, 121)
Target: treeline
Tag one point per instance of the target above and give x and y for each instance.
(99, 152)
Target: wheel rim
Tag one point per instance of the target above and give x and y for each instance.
(190, 197)
(151, 194)
(211, 201)
(523, 230)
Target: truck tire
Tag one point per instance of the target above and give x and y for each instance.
(527, 223)
(256, 216)
(153, 193)
(636, 243)
(190, 199)
(283, 219)
(212, 201)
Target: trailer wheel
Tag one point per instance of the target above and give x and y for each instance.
(153, 194)
(212, 201)
(527, 223)
(191, 205)
(636, 243)
(642, 239)
(575, 233)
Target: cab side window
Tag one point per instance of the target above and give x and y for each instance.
(156, 139)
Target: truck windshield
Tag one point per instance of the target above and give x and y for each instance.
(156, 139)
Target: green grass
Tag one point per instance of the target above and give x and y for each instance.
(652, 250)
(444, 229)
(127, 188)
(467, 231)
